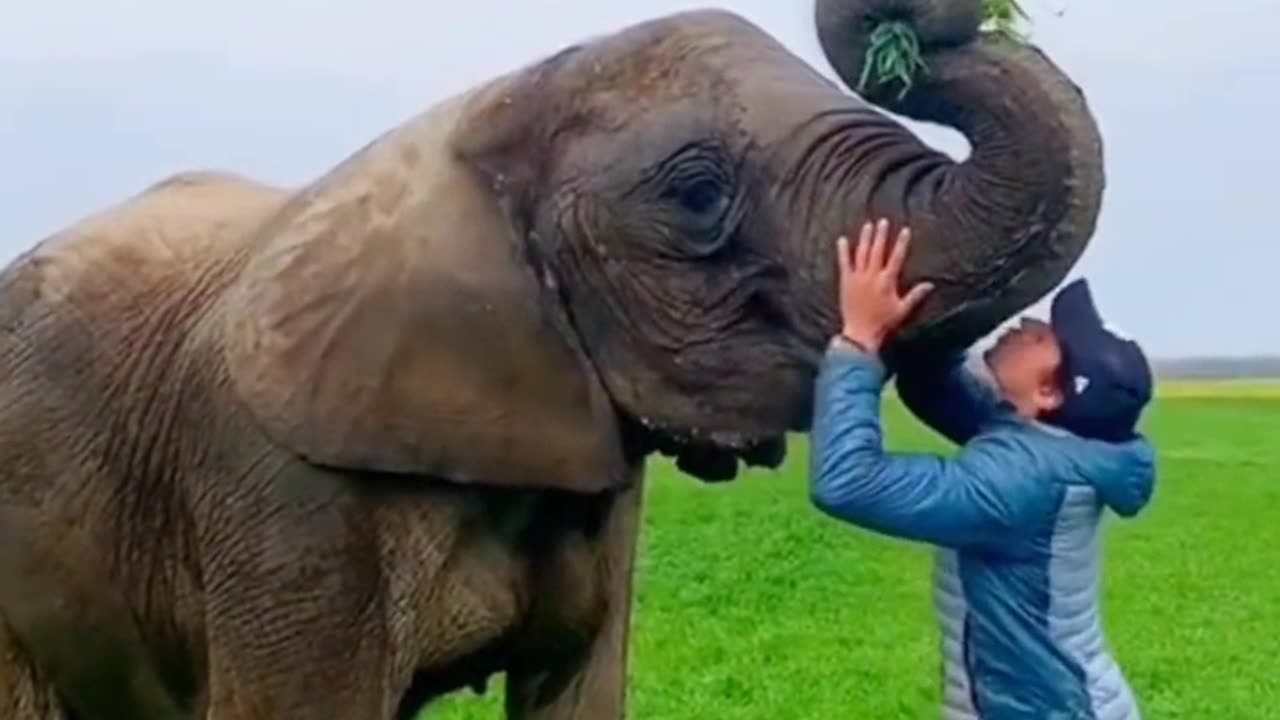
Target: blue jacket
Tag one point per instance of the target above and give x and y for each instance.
(1014, 514)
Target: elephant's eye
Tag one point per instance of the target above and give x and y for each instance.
(697, 188)
(704, 207)
(703, 197)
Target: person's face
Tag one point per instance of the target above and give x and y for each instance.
(1024, 363)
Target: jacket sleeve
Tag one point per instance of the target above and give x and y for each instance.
(985, 496)
(946, 396)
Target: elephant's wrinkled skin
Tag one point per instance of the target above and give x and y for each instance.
(329, 452)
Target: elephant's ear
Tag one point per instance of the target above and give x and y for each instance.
(386, 319)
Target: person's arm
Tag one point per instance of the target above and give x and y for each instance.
(943, 394)
(983, 497)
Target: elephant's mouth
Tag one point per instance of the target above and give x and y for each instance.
(712, 457)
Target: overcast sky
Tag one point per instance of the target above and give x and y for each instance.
(99, 98)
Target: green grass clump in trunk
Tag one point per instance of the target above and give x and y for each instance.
(1001, 17)
(894, 50)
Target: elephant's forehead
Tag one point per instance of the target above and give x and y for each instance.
(731, 66)
(678, 54)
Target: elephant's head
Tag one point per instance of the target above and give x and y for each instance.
(629, 246)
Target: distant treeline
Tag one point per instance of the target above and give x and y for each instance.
(1255, 366)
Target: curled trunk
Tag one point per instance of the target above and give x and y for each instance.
(1000, 230)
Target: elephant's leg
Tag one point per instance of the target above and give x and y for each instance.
(310, 666)
(67, 625)
(592, 685)
(294, 609)
(24, 695)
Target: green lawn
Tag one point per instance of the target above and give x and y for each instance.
(753, 606)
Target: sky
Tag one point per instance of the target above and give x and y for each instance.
(100, 98)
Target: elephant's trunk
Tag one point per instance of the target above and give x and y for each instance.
(998, 231)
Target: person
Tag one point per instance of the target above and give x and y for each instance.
(1047, 429)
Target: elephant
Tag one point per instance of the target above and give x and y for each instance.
(340, 449)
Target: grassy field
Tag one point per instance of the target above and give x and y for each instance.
(752, 606)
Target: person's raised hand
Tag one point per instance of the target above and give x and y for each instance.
(871, 309)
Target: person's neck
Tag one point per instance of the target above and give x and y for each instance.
(1026, 410)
